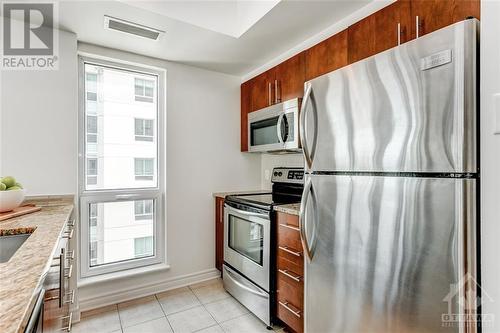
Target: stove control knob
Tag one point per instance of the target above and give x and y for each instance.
(275, 173)
(280, 174)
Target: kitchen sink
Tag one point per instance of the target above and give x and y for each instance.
(10, 244)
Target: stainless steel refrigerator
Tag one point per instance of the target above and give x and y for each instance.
(388, 215)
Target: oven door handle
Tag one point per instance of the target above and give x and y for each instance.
(235, 280)
(244, 212)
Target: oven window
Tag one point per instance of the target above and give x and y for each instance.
(264, 132)
(246, 238)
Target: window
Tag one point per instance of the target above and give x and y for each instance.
(143, 210)
(144, 168)
(121, 181)
(144, 90)
(144, 130)
(93, 253)
(91, 171)
(92, 129)
(143, 247)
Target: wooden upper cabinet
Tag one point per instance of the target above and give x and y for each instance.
(262, 90)
(246, 105)
(326, 56)
(380, 31)
(290, 78)
(431, 15)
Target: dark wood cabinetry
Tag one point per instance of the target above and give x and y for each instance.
(326, 56)
(290, 273)
(219, 233)
(431, 15)
(290, 78)
(394, 24)
(380, 31)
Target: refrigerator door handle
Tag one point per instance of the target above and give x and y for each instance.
(308, 248)
(308, 97)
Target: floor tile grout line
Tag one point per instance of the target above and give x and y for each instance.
(119, 317)
(142, 322)
(204, 307)
(166, 317)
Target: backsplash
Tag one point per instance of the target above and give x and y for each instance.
(270, 161)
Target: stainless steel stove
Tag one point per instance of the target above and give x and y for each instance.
(248, 237)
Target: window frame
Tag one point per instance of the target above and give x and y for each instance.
(143, 137)
(157, 194)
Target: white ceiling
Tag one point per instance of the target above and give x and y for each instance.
(208, 34)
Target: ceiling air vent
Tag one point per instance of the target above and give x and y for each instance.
(113, 23)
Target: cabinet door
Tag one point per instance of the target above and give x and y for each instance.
(246, 104)
(436, 14)
(219, 233)
(326, 56)
(361, 42)
(379, 31)
(392, 25)
(262, 90)
(290, 78)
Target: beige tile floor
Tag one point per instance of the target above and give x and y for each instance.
(204, 307)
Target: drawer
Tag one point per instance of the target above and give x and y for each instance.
(296, 267)
(288, 220)
(289, 237)
(290, 315)
(290, 254)
(290, 291)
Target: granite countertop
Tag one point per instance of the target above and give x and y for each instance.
(292, 209)
(21, 277)
(224, 194)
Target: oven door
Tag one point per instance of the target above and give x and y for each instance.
(247, 243)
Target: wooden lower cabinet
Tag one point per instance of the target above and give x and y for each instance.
(219, 233)
(289, 273)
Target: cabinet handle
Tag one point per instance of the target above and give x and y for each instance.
(399, 33)
(70, 320)
(69, 234)
(287, 273)
(287, 306)
(417, 27)
(221, 213)
(287, 249)
(289, 227)
(70, 255)
(68, 272)
(71, 223)
(269, 97)
(61, 278)
(71, 299)
(276, 99)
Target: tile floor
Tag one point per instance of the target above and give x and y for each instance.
(204, 307)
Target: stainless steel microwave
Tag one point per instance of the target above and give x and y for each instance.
(275, 128)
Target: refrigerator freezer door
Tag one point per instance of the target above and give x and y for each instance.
(386, 253)
(409, 109)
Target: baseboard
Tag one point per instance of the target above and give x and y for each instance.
(127, 294)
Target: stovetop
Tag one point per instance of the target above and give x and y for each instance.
(287, 188)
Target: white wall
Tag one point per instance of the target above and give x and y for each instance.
(203, 156)
(490, 160)
(38, 124)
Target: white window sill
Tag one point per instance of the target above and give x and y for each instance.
(87, 281)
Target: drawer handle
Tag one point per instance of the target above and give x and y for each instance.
(71, 299)
(68, 272)
(289, 226)
(69, 234)
(70, 255)
(287, 273)
(288, 250)
(71, 223)
(70, 320)
(287, 306)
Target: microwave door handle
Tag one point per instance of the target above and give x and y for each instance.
(278, 128)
